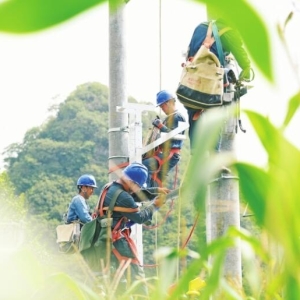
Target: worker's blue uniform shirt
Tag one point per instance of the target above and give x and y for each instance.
(78, 210)
(170, 123)
(197, 40)
(231, 43)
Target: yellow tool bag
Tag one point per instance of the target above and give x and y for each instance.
(202, 80)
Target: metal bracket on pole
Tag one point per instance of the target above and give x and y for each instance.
(135, 146)
(136, 149)
(117, 129)
(135, 111)
(224, 176)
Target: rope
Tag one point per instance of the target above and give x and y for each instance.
(164, 219)
(191, 232)
(117, 167)
(178, 235)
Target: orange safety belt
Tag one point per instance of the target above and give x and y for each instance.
(100, 210)
(117, 167)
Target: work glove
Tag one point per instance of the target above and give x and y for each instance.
(159, 201)
(163, 190)
(245, 74)
(157, 123)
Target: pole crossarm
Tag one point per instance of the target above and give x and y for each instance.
(136, 110)
(175, 133)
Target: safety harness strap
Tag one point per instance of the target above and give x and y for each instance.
(117, 233)
(124, 233)
(161, 162)
(99, 209)
(117, 167)
(122, 209)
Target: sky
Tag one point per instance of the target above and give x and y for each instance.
(42, 69)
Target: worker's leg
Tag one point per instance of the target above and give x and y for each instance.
(152, 165)
(167, 167)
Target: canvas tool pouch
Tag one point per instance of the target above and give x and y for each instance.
(201, 84)
(95, 242)
(202, 79)
(68, 237)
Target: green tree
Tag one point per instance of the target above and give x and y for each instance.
(272, 192)
(46, 165)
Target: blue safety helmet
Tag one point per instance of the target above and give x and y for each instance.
(87, 180)
(164, 96)
(137, 172)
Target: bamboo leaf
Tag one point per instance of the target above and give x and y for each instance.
(293, 105)
(25, 16)
(253, 183)
(242, 16)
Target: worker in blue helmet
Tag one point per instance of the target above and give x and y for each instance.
(78, 208)
(167, 155)
(132, 181)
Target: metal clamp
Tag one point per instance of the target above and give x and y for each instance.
(119, 129)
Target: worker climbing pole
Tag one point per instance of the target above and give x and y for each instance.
(167, 155)
(223, 210)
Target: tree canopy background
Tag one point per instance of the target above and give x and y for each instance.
(44, 168)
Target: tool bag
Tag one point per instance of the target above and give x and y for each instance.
(202, 78)
(153, 135)
(68, 237)
(95, 242)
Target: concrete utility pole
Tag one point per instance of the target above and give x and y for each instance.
(223, 208)
(120, 131)
(118, 122)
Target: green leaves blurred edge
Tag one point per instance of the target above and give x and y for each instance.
(28, 16)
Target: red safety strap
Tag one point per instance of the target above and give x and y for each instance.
(117, 167)
(118, 233)
(100, 210)
(124, 233)
(161, 162)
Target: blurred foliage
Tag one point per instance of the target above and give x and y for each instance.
(35, 15)
(44, 168)
(270, 247)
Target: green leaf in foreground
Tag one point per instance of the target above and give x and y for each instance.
(25, 16)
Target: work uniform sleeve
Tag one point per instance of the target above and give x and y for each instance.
(197, 39)
(145, 194)
(139, 217)
(143, 215)
(172, 121)
(82, 210)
